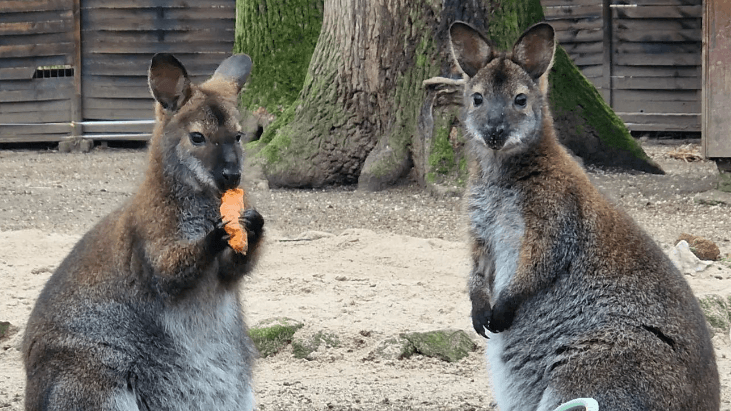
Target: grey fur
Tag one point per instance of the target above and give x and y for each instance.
(576, 299)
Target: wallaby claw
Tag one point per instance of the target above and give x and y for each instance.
(480, 321)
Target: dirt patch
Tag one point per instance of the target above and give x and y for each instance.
(365, 267)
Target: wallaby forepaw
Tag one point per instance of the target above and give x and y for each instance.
(217, 239)
(254, 224)
(502, 318)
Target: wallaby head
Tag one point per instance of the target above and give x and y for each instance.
(505, 93)
(199, 131)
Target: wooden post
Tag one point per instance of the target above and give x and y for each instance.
(607, 48)
(76, 101)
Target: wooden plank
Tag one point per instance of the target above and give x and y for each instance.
(130, 64)
(576, 24)
(159, 47)
(38, 116)
(658, 48)
(120, 137)
(19, 129)
(32, 106)
(76, 103)
(587, 59)
(569, 3)
(32, 138)
(658, 71)
(676, 121)
(34, 61)
(95, 89)
(583, 48)
(574, 11)
(209, 34)
(38, 38)
(657, 83)
(59, 91)
(25, 50)
(682, 35)
(35, 27)
(658, 12)
(37, 84)
(16, 73)
(36, 16)
(121, 103)
(120, 4)
(15, 6)
(615, 3)
(658, 95)
(645, 59)
(655, 106)
(118, 128)
(578, 36)
(592, 71)
(149, 19)
(117, 114)
(651, 25)
(150, 25)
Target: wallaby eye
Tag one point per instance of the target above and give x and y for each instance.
(521, 100)
(477, 99)
(197, 138)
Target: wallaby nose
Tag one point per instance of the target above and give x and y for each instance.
(231, 178)
(495, 137)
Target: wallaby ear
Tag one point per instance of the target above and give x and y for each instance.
(470, 49)
(169, 82)
(534, 49)
(235, 69)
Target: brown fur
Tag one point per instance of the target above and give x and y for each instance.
(146, 305)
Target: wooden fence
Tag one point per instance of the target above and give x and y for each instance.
(643, 55)
(79, 67)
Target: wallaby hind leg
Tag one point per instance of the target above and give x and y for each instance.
(73, 390)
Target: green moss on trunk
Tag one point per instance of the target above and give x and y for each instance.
(280, 36)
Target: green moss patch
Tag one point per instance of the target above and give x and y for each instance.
(4, 329)
(716, 310)
(272, 335)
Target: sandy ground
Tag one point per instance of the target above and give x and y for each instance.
(362, 266)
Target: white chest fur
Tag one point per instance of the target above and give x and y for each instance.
(213, 371)
(497, 221)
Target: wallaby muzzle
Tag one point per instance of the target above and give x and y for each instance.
(495, 129)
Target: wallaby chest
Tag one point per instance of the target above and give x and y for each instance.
(210, 352)
(497, 225)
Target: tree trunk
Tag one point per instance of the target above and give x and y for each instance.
(364, 116)
(279, 36)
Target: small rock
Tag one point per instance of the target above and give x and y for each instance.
(703, 248)
(447, 345)
(685, 261)
(272, 335)
(393, 348)
(306, 347)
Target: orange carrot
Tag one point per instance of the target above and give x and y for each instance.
(232, 205)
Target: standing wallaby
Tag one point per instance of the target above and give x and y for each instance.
(577, 299)
(144, 313)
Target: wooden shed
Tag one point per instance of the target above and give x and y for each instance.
(79, 67)
(643, 55)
